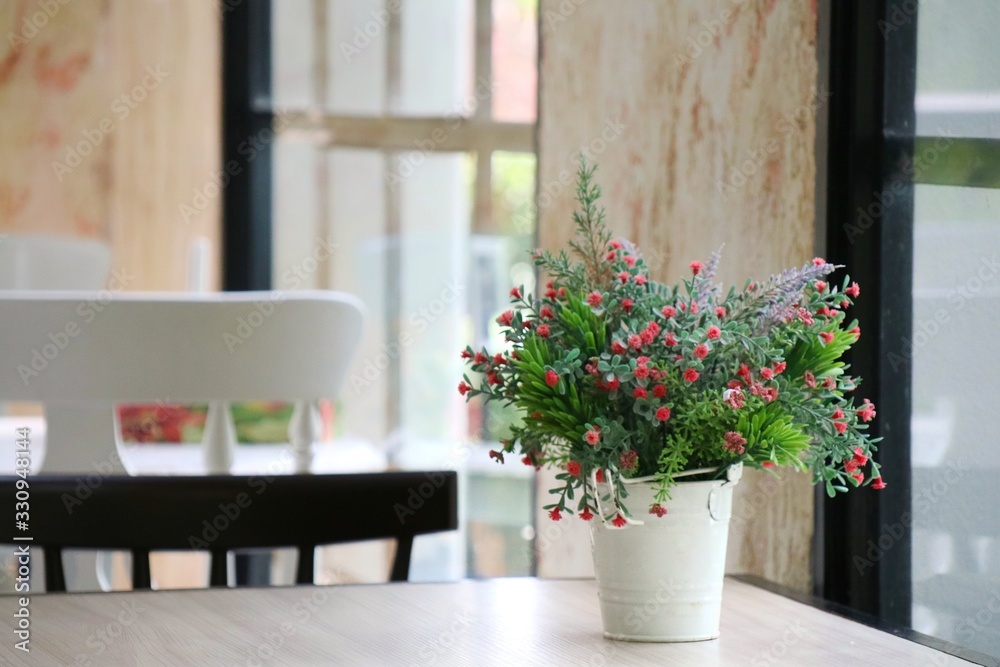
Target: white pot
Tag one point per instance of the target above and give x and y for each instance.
(661, 581)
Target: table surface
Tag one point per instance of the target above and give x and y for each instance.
(491, 622)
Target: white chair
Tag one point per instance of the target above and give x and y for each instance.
(81, 353)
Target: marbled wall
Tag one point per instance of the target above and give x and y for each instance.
(701, 116)
(110, 123)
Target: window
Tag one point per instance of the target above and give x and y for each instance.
(402, 170)
(913, 206)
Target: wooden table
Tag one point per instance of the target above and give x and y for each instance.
(494, 622)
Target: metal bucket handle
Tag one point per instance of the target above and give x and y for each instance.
(733, 476)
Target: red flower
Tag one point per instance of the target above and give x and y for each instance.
(744, 373)
(498, 359)
(555, 514)
(599, 476)
(629, 460)
(480, 358)
(624, 276)
(611, 256)
(827, 337)
(618, 348)
(561, 293)
(659, 390)
(526, 324)
(845, 304)
(463, 388)
(696, 267)
(767, 464)
(619, 521)
(593, 437)
(493, 378)
(694, 308)
(627, 305)
(734, 398)
(853, 291)
(720, 312)
(647, 336)
(573, 468)
(668, 311)
(767, 373)
(613, 384)
(735, 442)
(551, 378)
(641, 280)
(543, 331)
(879, 484)
(642, 361)
(635, 342)
(770, 394)
(841, 427)
(639, 392)
(653, 328)
(809, 379)
(663, 414)
(713, 332)
(690, 375)
(515, 293)
(494, 454)
(829, 382)
(820, 286)
(586, 514)
(805, 316)
(670, 339)
(595, 299)
(466, 354)
(546, 313)
(850, 465)
(658, 510)
(506, 318)
(550, 293)
(526, 460)
(780, 367)
(701, 351)
(867, 411)
(641, 372)
(818, 261)
(859, 456)
(838, 414)
(629, 260)
(857, 332)
(615, 244)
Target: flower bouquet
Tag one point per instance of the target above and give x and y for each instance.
(617, 376)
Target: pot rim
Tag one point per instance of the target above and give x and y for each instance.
(733, 470)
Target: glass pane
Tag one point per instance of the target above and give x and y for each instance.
(958, 73)
(436, 58)
(515, 60)
(357, 55)
(956, 301)
(292, 54)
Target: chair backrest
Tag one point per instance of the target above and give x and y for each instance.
(52, 262)
(221, 513)
(82, 352)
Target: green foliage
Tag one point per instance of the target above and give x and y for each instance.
(614, 374)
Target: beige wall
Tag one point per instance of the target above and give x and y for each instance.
(701, 116)
(94, 145)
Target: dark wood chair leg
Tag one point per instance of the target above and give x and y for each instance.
(401, 564)
(306, 570)
(219, 572)
(141, 578)
(55, 578)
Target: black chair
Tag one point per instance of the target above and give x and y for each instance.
(221, 513)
